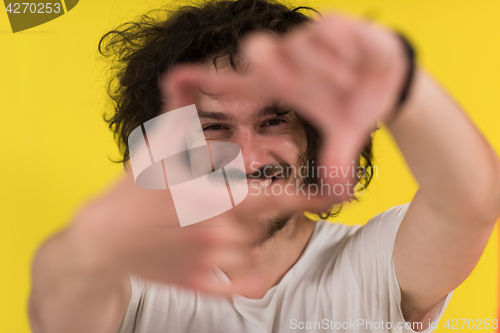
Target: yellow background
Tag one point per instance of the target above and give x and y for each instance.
(55, 146)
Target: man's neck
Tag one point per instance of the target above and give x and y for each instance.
(273, 258)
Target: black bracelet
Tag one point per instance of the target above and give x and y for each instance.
(405, 88)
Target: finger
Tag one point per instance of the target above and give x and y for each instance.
(226, 230)
(272, 73)
(292, 197)
(317, 61)
(230, 257)
(180, 85)
(340, 35)
(208, 283)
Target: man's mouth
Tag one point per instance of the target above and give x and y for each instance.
(267, 181)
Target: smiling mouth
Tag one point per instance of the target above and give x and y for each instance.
(267, 181)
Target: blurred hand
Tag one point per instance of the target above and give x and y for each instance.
(342, 75)
(136, 230)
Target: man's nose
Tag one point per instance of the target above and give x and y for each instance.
(254, 149)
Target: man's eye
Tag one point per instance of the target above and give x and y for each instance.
(274, 122)
(213, 128)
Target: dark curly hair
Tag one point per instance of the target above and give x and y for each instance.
(142, 50)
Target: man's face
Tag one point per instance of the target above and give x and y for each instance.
(271, 139)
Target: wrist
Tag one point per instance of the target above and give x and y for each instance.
(408, 56)
(413, 111)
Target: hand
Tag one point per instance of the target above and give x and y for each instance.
(342, 75)
(135, 230)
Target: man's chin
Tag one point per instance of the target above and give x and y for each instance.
(274, 222)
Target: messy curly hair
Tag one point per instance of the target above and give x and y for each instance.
(141, 51)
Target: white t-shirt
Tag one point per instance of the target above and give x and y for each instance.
(344, 281)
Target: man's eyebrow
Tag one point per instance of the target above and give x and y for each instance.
(271, 110)
(215, 115)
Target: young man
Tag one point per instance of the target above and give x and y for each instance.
(126, 265)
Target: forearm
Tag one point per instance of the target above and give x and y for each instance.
(69, 297)
(457, 170)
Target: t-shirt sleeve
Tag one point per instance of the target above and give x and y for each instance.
(139, 287)
(370, 253)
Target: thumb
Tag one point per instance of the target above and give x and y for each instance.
(340, 155)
